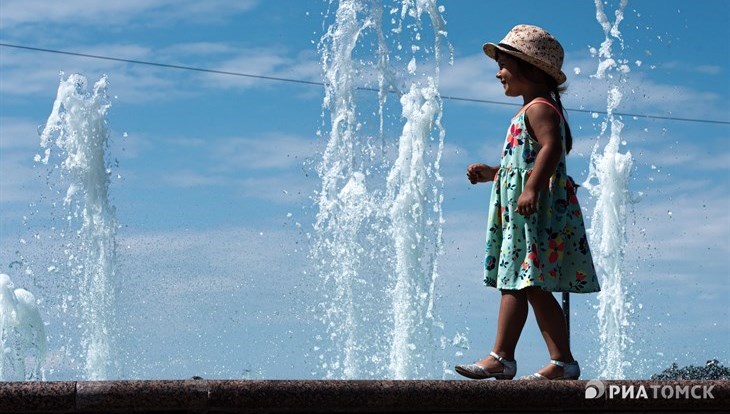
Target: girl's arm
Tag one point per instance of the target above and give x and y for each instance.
(543, 124)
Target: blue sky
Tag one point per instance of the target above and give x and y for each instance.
(216, 173)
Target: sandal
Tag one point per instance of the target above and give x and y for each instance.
(475, 371)
(571, 371)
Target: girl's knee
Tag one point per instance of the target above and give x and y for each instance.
(535, 293)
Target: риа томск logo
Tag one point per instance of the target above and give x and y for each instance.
(597, 389)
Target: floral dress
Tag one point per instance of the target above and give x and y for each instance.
(549, 248)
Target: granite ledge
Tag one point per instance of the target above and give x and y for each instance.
(346, 396)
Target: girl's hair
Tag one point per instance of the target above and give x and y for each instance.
(537, 75)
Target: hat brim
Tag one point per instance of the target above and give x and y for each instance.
(490, 49)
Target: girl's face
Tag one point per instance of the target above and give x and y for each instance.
(509, 75)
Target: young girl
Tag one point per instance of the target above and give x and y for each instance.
(536, 240)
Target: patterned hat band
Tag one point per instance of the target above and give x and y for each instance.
(511, 48)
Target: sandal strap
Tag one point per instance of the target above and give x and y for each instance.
(500, 359)
(509, 366)
(559, 363)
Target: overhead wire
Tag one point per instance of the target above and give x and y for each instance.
(306, 82)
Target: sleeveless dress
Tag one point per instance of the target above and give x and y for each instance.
(549, 248)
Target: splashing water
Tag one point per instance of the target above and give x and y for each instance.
(379, 306)
(408, 189)
(611, 170)
(23, 340)
(77, 128)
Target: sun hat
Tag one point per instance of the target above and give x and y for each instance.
(535, 46)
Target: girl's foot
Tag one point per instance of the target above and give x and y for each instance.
(494, 366)
(556, 370)
(551, 371)
(491, 364)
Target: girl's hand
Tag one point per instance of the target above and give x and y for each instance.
(480, 173)
(527, 202)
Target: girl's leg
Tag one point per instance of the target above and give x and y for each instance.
(511, 320)
(550, 319)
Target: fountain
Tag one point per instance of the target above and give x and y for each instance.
(22, 334)
(608, 181)
(378, 230)
(77, 129)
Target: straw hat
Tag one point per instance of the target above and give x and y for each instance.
(533, 45)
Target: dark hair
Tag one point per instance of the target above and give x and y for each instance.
(537, 75)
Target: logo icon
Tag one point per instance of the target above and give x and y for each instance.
(595, 389)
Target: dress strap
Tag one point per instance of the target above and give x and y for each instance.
(546, 102)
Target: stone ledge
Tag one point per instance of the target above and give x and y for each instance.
(290, 396)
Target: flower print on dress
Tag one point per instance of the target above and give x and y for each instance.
(534, 257)
(583, 245)
(580, 280)
(491, 262)
(513, 139)
(556, 248)
(572, 197)
(529, 156)
(504, 215)
(568, 231)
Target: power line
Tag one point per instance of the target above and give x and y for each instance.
(281, 79)
(163, 65)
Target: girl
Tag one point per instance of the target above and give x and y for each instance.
(536, 241)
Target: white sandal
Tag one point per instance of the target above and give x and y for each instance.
(571, 371)
(475, 371)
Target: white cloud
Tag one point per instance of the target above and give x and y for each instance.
(687, 156)
(18, 179)
(292, 189)
(195, 49)
(710, 69)
(682, 236)
(187, 178)
(18, 133)
(270, 151)
(691, 67)
(113, 13)
(274, 167)
(19, 142)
